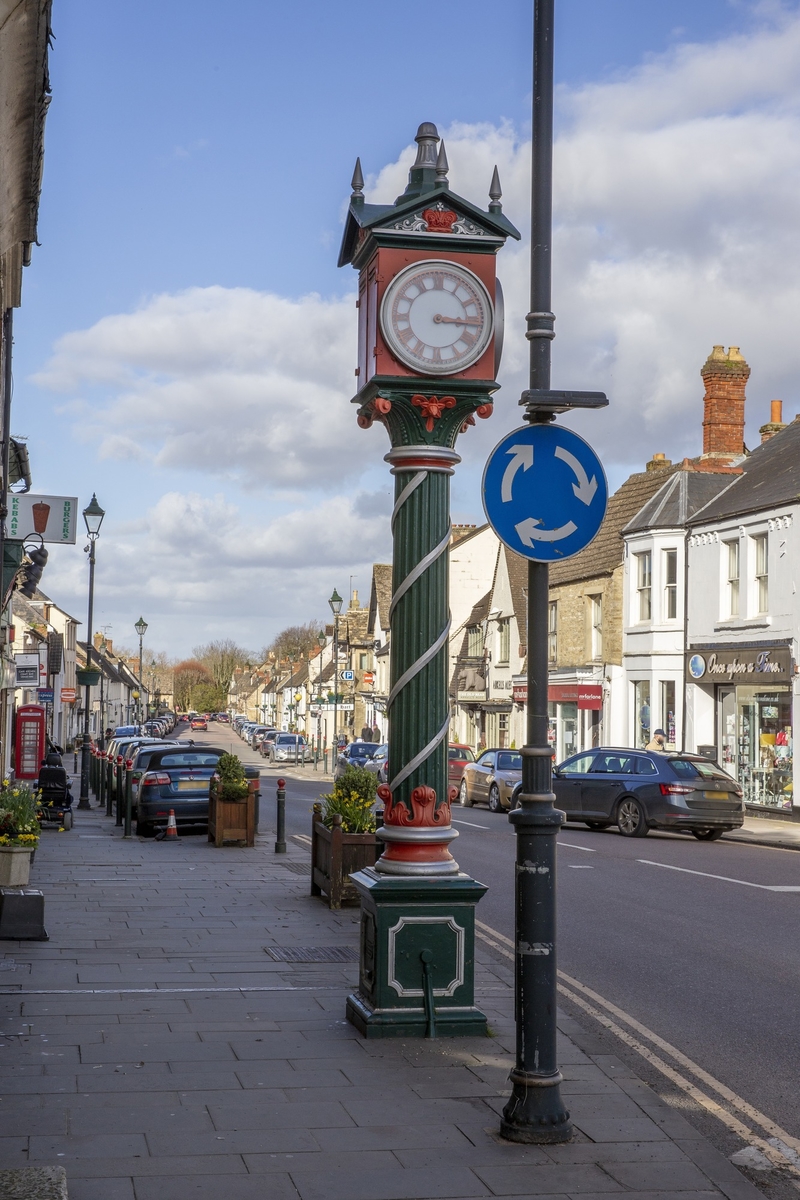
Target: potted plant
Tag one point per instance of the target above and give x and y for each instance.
(343, 836)
(19, 833)
(231, 804)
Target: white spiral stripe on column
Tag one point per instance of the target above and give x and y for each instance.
(419, 570)
(421, 662)
(410, 487)
(420, 758)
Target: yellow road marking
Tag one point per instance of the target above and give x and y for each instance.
(505, 947)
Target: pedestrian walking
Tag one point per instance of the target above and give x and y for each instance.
(366, 733)
(376, 734)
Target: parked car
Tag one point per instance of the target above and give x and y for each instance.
(357, 754)
(198, 723)
(126, 731)
(640, 790)
(256, 735)
(224, 718)
(266, 742)
(458, 756)
(289, 747)
(177, 777)
(379, 762)
(140, 755)
(491, 780)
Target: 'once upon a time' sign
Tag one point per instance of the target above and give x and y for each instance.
(742, 664)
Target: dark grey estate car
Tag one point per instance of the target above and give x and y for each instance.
(640, 790)
(178, 777)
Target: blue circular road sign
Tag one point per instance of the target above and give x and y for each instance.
(544, 492)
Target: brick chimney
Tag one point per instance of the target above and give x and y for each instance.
(775, 423)
(725, 377)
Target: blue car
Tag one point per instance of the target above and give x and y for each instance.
(640, 790)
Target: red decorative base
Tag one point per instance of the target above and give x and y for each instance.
(417, 842)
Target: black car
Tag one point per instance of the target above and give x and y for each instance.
(354, 755)
(180, 778)
(640, 790)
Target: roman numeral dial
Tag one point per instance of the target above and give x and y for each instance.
(437, 318)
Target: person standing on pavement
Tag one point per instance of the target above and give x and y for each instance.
(366, 733)
(376, 734)
(658, 741)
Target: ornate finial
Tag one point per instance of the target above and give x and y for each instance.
(495, 192)
(426, 139)
(357, 182)
(442, 167)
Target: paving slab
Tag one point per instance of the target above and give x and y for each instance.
(157, 1053)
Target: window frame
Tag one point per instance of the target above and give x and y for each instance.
(474, 641)
(733, 577)
(670, 568)
(552, 631)
(596, 626)
(644, 586)
(761, 572)
(503, 641)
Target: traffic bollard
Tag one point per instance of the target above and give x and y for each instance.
(75, 760)
(280, 832)
(107, 786)
(101, 778)
(118, 797)
(128, 797)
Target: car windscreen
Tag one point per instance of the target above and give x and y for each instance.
(192, 758)
(460, 754)
(692, 768)
(360, 749)
(509, 762)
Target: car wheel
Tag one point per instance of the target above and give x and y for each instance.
(494, 799)
(597, 824)
(630, 818)
(463, 795)
(708, 835)
(67, 820)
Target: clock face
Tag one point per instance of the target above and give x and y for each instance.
(437, 317)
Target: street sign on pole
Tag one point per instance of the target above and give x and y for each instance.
(544, 492)
(347, 676)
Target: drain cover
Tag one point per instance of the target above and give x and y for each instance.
(299, 868)
(312, 954)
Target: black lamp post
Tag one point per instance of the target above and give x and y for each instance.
(93, 516)
(336, 607)
(141, 629)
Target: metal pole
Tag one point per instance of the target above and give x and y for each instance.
(535, 1111)
(141, 685)
(128, 797)
(280, 830)
(83, 801)
(335, 750)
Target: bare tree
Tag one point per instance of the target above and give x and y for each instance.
(221, 658)
(297, 639)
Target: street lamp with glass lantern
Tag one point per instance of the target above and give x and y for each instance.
(335, 603)
(93, 517)
(141, 629)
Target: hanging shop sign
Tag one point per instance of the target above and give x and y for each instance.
(742, 664)
(27, 669)
(52, 517)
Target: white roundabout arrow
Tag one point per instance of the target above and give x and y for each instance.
(585, 488)
(529, 533)
(523, 457)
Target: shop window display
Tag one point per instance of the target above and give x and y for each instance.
(764, 746)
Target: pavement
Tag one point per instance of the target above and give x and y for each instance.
(155, 1050)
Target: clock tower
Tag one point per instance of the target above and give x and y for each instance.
(430, 335)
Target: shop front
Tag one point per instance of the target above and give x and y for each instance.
(752, 687)
(575, 711)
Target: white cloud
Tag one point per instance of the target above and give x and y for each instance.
(228, 381)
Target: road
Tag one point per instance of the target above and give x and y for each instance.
(685, 936)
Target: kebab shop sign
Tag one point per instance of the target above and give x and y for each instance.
(52, 517)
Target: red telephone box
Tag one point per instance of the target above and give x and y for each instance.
(30, 741)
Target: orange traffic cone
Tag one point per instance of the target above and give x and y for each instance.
(172, 825)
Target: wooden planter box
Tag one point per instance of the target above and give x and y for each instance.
(232, 822)
(335, 856)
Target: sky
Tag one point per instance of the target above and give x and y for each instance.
(186, 343)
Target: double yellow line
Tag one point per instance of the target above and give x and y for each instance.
(778, 1146)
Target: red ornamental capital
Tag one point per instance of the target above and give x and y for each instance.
(432, 407)
(424, 813)
(438, 220)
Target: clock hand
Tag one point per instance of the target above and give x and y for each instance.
(439, 319)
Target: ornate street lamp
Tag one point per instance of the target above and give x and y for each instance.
(141, 629)
(335, 603)
(93, 517)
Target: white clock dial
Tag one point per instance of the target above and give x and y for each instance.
(437, 317)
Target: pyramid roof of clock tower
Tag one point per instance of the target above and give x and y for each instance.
(403, 223)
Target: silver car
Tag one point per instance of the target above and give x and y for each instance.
(289, 748)
(379, 763)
